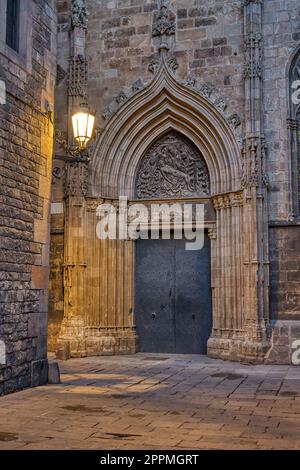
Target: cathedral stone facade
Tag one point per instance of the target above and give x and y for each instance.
(196, 101)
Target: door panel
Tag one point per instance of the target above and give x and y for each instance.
(192, 299)
(172, 297)
(153, 297)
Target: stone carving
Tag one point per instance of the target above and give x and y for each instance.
(173, 64)
(173, 167)
(121, 98)
(209, 93)
(227, 201)
(253, 56)
(77, 82)
(76, 179)
(205, 90)
(189, 82)
(107, 113)
(212, 233)
(137, 86)
(234, 120)
(220, 104)
(250, 163)
(153, 66)
(164, 24)
(253, 162)
(93, 204)
(78, 14)
(252, 152)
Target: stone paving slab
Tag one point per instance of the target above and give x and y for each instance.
(157, 402)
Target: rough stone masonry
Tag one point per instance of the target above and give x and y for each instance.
(26, 137)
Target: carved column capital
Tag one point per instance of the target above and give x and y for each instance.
(76, 179)
(212, 233)
(236, 200)
(218, 202)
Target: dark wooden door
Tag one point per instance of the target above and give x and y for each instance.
(172, 297)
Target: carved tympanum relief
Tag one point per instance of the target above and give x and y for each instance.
(172, 167)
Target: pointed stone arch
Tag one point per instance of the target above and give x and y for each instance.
(163, 105)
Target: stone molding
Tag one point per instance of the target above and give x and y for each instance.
(206, 91)
(165, 97)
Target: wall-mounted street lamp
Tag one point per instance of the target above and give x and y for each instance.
(83, 122)
(83, 125)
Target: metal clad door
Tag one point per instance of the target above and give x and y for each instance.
(172, 297)
(154, 271)
(192, 298)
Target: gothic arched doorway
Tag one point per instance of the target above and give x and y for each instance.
(172, 284)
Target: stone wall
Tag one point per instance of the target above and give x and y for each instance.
(281, 32)
(285, 273)
(56, 290)
(208, 45)
(281, 36)
(26, 139)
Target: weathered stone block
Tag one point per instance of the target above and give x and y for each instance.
(53, 373)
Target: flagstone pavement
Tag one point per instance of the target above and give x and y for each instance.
(157, 401)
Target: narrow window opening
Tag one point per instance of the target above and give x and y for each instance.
(12, 24)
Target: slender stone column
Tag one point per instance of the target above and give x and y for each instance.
(226, 337)
(256, 257)
(72, 335)
(71, 341)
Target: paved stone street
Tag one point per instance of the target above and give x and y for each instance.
(157, 401)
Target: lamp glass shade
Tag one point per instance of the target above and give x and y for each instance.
(83, 125)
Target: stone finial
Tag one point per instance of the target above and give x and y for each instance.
(78, 14)
(164, 24)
